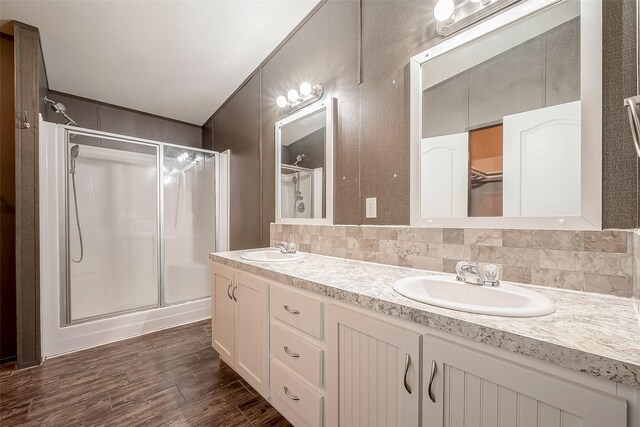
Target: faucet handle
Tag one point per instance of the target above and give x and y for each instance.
(491, 273)
(292, 248)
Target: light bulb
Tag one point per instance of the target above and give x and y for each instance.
(443, 11)
(281, 101)
(292, 95)
(306, 89)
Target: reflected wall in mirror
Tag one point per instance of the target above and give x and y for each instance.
(504, 117)
(304, 162)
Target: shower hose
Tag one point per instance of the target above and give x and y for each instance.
(75, 203)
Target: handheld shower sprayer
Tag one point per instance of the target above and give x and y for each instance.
(75, 150)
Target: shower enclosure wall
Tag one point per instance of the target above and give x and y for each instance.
(135, 221)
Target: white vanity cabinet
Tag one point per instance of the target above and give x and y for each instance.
(323, 362)
(373, 371)
(297, 355)
(240, 331)
(464, 385)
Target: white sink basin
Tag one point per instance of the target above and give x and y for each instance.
(271, 255)
(504, 300)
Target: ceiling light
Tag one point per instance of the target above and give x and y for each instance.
(282, 101)
(293, 95)
(443, 11)
(306, 89)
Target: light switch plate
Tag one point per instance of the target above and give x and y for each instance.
(371, 208)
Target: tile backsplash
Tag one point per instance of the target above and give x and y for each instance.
(592, 261)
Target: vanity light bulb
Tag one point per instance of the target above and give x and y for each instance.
(443, 11)
(281, 101)
(306, 89)
(292, 95)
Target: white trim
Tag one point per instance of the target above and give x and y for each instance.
(591, 97)
(330, 105)
(223, 167)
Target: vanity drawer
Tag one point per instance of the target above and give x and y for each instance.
(297, 310)
(297, 353)
(294, 398)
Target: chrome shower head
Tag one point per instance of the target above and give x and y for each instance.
(75, 150)
(59, 108)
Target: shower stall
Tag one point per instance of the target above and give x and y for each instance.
(131, 222)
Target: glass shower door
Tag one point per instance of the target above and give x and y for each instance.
(112, 226)
(188, 223)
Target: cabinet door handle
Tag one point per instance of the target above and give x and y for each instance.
(434, 369)
(290, 310)
(233, 293)
(290, 353)
(229, 290)
(407, 363)
(289, 395)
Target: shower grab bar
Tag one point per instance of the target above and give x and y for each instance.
(632, 108)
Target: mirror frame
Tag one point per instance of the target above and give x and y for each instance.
(591, 122)
(329, 105)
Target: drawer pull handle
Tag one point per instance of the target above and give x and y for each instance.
(434, 369)
(229, 290)
(291, 310)
(290, 353)
(407, 363)
(233, 293)
(289, 395)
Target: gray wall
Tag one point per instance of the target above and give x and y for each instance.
(98, 115)
(359, 51)
(237, 127)
(620, 164)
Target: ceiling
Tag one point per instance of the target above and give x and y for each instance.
(177, 59)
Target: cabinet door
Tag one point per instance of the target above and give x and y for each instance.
(252, 331)
(373, 371)
(472, 388)
(223, 326)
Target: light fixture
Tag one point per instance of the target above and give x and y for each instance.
(305, 89)
(294, 99)
(444, 11)
(452, 17)
(293, 95)
(282, 101)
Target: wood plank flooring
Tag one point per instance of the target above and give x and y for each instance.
(166, 378)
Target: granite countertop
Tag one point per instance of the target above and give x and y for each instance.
(592, 333)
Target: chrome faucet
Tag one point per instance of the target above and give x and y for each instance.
(286, 248)
(468, 272)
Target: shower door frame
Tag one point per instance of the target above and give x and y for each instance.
(65, 300)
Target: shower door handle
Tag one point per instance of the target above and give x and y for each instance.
(229, 291)
(632, 108)
(233, 293)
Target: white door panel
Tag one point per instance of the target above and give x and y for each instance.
(444, 176)
(542, 161)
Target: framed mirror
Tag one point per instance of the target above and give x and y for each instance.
(304, 165)
(506, 122)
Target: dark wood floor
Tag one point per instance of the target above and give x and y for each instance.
(167, 378)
